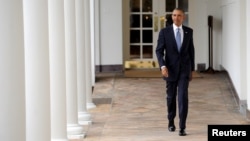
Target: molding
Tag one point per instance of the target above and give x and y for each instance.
(248, 115)
(242, 104)
(233, 90)
(243, 107)
(109, 68)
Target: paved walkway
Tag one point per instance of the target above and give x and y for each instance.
(134, 109)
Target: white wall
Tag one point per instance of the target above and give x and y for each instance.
(198, 21)
(111, 44)
(231, 49)
(243, 49)
(235, 49)
(199, 10)
(248, 54)
(229, 37)
(214, 9)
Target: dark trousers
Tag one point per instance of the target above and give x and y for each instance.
(173, 89)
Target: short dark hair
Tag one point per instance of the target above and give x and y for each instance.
(179, 9)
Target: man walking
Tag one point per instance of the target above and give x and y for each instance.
(175, 54)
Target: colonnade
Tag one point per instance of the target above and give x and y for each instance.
(45, 69)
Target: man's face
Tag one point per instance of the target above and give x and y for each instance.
(178, 17)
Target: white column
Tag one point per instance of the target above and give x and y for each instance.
(37, 70)
(88, 68)
(75, 131)
(248, 56)
(12, 88)
(57, 71)
(83, 116)
(92, 32)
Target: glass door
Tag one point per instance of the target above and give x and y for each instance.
(147, 18)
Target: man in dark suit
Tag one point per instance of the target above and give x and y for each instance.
(175, 54)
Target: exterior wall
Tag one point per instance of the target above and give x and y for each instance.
(214, 9)
(234, 44)
(198, 21)
(111, 44)
(234, 49)
(231, 49)
(248, 57)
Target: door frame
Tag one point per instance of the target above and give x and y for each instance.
(158, 21)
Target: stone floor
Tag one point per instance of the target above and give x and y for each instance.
(134, 109)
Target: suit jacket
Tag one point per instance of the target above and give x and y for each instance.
(179, 64)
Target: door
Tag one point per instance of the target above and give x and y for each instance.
(147, 18)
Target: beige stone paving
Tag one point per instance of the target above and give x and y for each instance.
(137, 110)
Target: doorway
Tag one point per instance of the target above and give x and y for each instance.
(147, 18)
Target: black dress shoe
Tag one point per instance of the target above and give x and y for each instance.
(171, 128)
(182, 132)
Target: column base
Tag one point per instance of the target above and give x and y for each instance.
(76, 137)
(85, 122)
(91, 105)
(59, 139)
(84, 118)
(75, 131)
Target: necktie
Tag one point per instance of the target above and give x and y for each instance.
(178, 39)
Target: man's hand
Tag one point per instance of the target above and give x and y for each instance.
(164, 71)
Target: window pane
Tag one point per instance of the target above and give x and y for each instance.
(147, 21)
(183, 4)
(170, 5)
(147, 52)
(135, 6)
(147, 5)
(134, 52)
(134, 20)
(147, 36)
(169, 20)
(134, 36)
